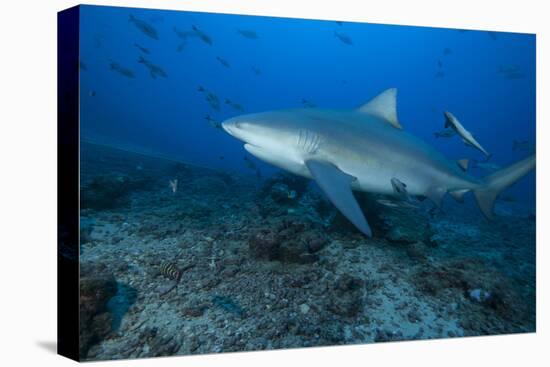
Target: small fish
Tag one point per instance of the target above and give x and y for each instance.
(203, 36)
(445, 133)
(121, 70)
(292, 194)
(170, 271)
(522, 145)
(447, 51)
(511, 71)
(212, 122)
(142, 49)
(210, 98)
(193, 33)
(156, 18)
(236, 106)
(440, 74)
(184, 35)
(154, 70)
(505, 69)
(487, 166)
(507, 198)
(343, 38)
(439, 64)
(174, 185)
(248, 34)
(98, 40)
(515, 76)
(213, 100)
(180, 47)
(256, 70)
(144, 27)
(223, 62)
(251, 165)
(307, 103)
(396, 204)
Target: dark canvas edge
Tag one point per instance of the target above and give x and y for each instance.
(68, 183)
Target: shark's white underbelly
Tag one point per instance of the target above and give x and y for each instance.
(371, 173)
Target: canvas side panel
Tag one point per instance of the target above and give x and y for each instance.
(68, 182)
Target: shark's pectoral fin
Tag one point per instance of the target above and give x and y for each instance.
(384, 106)
(336, 185)
(436, 194)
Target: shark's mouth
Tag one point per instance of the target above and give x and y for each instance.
(252, 148)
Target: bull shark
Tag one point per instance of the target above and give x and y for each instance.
(363, 149)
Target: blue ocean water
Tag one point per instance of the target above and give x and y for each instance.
(434, 70)
(196, 246)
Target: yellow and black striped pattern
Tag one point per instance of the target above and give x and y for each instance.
(170, 270)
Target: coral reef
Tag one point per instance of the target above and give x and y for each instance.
(111, 191)
(260, 268)
(347, 296)
(283, 180)
(291, 241)
(97, 286)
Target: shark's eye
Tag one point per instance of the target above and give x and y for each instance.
(238, 124)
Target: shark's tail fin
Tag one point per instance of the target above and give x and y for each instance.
(494, 184)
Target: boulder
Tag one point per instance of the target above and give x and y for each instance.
(97, 286)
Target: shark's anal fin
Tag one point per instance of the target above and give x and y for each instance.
(384, 106)
(336, 185)
(463, 164)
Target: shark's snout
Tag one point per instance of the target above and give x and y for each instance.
(234, 128)
(226, 125)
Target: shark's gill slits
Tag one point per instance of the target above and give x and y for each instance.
(308, 141)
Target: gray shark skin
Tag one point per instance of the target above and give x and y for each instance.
(363, 149)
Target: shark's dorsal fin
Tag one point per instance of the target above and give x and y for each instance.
(384, 106)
